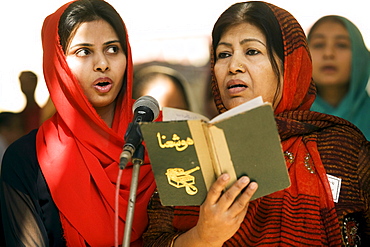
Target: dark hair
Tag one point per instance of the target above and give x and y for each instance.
(259, 15)
(86, 11)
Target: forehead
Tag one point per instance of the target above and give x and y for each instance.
(329, 29)
(97, 29)
(243, 31)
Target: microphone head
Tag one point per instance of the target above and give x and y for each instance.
(147, 101)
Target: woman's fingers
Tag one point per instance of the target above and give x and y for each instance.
(217, 188)
(222, 212)
(240, 205)
(228, 198)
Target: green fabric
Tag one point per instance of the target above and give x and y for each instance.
(355, 106)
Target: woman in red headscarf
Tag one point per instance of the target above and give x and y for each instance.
(260, 50)
(58, 183)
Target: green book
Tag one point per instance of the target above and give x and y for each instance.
(188, 152)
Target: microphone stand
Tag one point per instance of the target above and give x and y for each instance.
(137, 160)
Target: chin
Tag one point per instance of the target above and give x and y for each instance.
(235, 102)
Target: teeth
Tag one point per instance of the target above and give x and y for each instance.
(238, 85)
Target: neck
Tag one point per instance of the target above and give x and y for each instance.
(106, 113)
(30, 99)
(333, 94)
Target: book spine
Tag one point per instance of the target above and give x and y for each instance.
(203, 151)
(223, 162)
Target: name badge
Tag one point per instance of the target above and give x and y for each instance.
(335, 184)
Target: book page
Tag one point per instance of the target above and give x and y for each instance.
(223, 162)
(174, 114)
(253, 103)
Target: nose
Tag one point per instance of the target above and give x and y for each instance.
(236, 66)
(101, 63)
(328, 52)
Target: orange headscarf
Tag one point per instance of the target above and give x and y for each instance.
(79, 154)
(304, 213)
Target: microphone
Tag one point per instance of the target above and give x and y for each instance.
(146, 109)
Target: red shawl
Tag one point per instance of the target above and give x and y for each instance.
(303, 214)
(79, 154)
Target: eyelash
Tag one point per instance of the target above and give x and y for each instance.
(250, 52)
(87, 51)
(222, 55)
(79, 51)
(322, 45)
(116, 48)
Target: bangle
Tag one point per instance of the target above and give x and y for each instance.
(174, 238)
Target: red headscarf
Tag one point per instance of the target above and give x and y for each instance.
(79, 154)
(303, 214)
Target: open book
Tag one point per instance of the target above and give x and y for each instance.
(188, 151)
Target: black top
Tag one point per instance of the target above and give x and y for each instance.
(29, 215)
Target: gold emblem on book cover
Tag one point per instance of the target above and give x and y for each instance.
(180, 178)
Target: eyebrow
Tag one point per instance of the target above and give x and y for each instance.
(340, 36)
(111, 42)
(242, 42)
(90, 45)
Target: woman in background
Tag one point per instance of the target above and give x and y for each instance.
(58, 182)
(168, 86)
(341, 70)
(260, 50)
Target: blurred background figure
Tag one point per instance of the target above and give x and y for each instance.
(31, 114)
(47, 110)
(341, 69)
(11, 128)
(168, 86)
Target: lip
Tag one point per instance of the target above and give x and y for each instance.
(329, 69)
(235, 86)
(103, 84)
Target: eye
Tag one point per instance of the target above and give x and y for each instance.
(343, 45)
(82, 52)
(222, 55)
(252, 52)
(113, 49)
(317, 45)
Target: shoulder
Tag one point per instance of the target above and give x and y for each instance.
(345, 150)
(343, 138)
(21, 149)
(20, 160)
(341, 143)
(345, 134)
(332, 128)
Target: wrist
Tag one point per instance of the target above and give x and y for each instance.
(172, 244)
(193, 238)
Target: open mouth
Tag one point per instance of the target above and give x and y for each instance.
(103, 84)
(236, 85)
